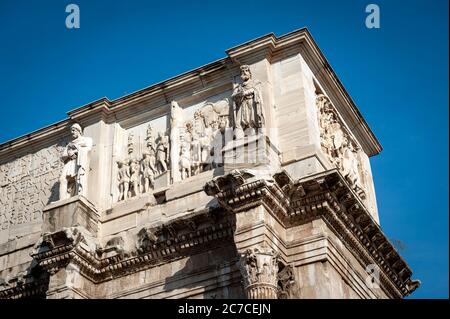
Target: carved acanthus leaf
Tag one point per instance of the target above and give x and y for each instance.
(287, 287)
(259, 265)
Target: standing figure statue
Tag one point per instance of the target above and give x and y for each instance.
(134, 177)
(148, 169)
(162, 151)
(205, 143)
(247, 105)
(334, 142)
(123, 178)
(73, 179)
(185, 160)
(350, 164)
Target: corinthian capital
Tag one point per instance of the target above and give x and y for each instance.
(259, 269)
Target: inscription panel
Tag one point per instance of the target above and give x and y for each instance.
(27, 184)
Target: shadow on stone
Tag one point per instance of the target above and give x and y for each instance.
(54, 193)
(31, 283)
(211, 269)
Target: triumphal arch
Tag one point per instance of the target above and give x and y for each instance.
(248, 177)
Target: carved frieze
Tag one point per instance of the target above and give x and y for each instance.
(191, 146)
(339, 145)
(193, 143)
(136, 175)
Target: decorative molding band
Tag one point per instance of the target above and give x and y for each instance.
(268, 44)
(325, 195)
(33, 289)
(154, 246)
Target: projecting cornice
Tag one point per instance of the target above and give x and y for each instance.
(325, 195)
(269, 45)
(154, 246)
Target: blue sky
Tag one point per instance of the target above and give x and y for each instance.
(397, 75)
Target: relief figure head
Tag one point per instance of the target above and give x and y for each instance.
(76, 130)
(246, 74)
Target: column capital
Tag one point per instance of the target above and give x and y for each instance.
(259, 269)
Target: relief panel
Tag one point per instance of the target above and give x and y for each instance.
(27, 184)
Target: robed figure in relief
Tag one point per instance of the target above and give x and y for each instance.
(247, 105)
(73, 179)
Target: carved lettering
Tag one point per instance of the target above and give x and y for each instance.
(27, 184)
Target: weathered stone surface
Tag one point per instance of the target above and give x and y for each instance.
(246, 178)
(74, 211)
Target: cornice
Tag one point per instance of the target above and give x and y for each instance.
(168, 242)
(28, 290)
(52, 131)
(269, 43)
(325, 195)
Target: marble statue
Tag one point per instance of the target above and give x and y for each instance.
(185, 159)
(123, 178)
(134, 178)
(247, 104)
(148, 169)
(73, 179)
(162, 151)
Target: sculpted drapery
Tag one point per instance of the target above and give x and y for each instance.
(73, 180)
(247, 104)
